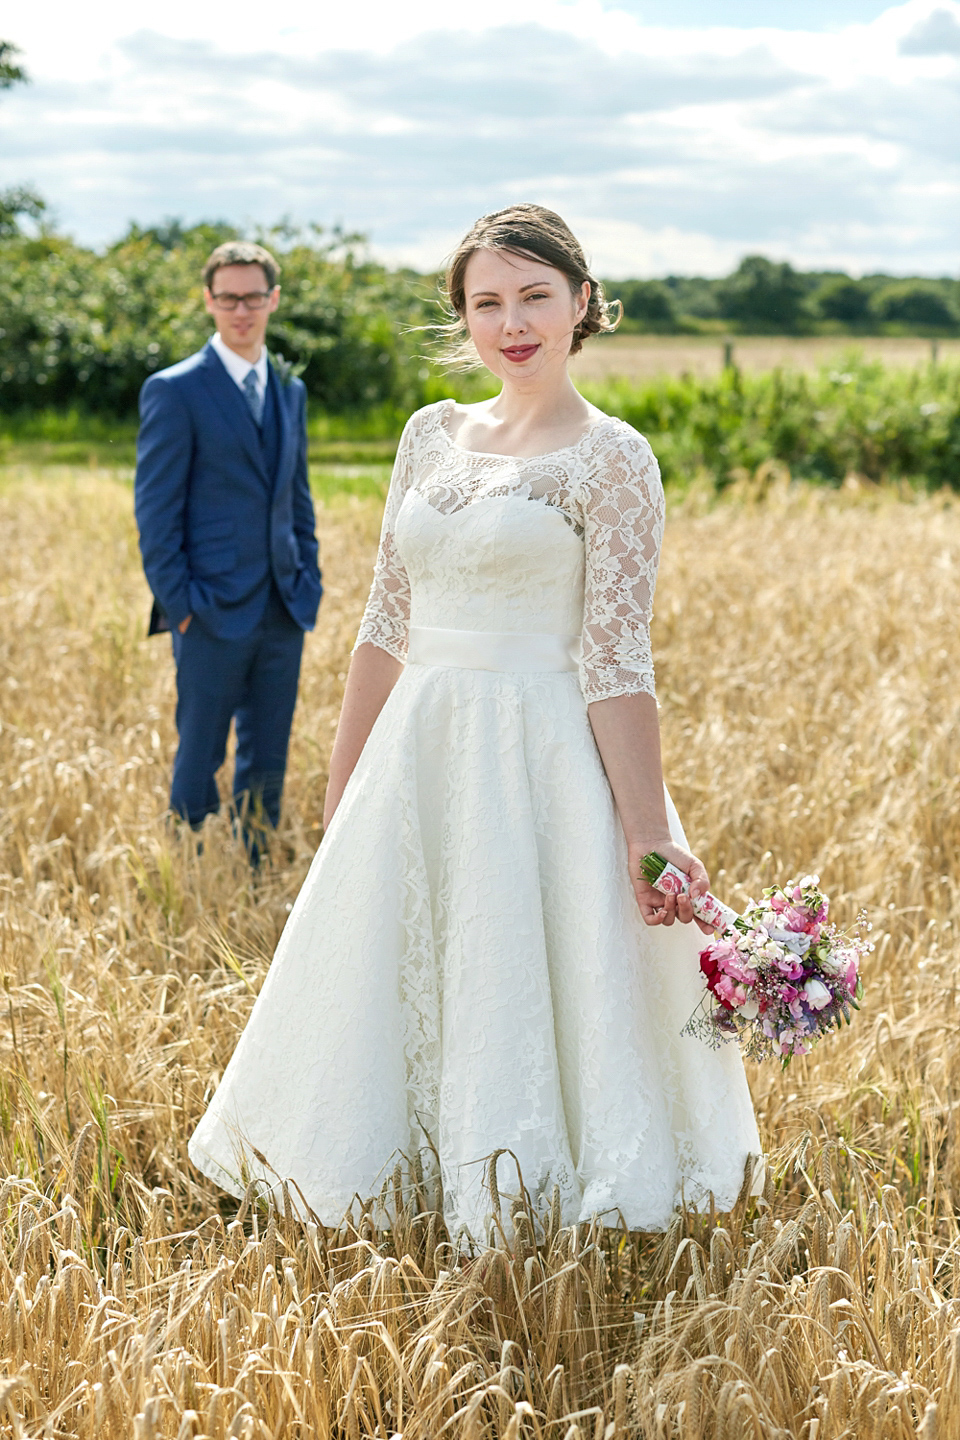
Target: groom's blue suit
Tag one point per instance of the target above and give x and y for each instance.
(227, 535)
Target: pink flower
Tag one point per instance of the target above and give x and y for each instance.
(845, 965)
(794, 919)
(736, 966)
(789, 965)
(732, 995)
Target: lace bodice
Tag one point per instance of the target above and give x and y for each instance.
(515, 571)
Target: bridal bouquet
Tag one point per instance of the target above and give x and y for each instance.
(778, 977)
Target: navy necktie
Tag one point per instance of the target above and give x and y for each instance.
(252, 396)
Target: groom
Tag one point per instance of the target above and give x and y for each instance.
(227, 536)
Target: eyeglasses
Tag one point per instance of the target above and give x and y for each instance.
(253, 300)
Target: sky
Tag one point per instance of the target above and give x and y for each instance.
(675, 136)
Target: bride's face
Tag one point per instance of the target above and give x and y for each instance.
(521, 314)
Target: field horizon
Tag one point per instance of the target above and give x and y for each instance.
(807, 652)
(641, 357)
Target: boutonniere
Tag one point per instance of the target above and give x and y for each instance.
(285, 370)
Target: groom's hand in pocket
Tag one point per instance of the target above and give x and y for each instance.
(182, 627)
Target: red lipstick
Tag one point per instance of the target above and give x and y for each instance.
(519, 353)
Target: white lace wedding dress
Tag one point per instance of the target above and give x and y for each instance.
(466, 959)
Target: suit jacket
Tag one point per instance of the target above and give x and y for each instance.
(215, 527)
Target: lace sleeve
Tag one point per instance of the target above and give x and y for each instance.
(386, 619)
(623, 514)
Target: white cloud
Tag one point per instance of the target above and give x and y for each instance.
(936, 34)
(669, 149)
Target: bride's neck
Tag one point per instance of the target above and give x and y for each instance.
(530, 404)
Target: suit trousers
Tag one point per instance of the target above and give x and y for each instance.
(254, 681)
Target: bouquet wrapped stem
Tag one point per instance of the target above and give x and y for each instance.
(778, 978)
(670, 881)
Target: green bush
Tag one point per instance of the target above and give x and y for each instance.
(843, 300)
(648, 303)
(912, 303)
(762, 296)
(82, 329)
(879, 423)
(886, 425)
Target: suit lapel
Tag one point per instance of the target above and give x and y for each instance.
(234, 407)
(283, 395)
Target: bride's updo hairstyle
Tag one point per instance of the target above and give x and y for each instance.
(534, 233)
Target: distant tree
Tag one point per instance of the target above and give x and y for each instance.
(914, 302)
(648, 302)
(762, 295)
(20, 200)
(82, 328)
(844, 300)
(692, 295)
(10, 72)
(173, 234)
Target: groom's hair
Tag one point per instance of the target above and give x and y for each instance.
(241, 252)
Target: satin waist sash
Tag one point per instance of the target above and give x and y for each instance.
(492, 650)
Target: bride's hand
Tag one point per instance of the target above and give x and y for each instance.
(659, 909)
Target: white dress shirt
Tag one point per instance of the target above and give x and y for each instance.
(238, 368)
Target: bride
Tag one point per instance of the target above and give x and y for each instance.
(473, 961)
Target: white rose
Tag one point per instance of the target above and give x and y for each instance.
(817, 994)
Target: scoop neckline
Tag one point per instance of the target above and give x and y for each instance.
(497, 455)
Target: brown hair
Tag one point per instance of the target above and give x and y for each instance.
(241, 252)
(536, 234)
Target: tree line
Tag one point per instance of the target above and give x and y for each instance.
(763, 297)
(81, 328)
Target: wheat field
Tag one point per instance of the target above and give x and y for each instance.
(641, 358)
(808, 654)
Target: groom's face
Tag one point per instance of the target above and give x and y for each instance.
(243, 327)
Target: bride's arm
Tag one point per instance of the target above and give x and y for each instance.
(381, 648)
(623, 516)
(627, 732)
(372, 675)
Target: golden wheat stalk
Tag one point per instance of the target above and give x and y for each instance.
(808, 680)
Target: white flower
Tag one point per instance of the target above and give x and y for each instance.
(750, 1010)
(835, 962)
(793, 940)
(817, 994)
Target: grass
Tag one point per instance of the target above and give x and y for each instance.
(807, 654)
